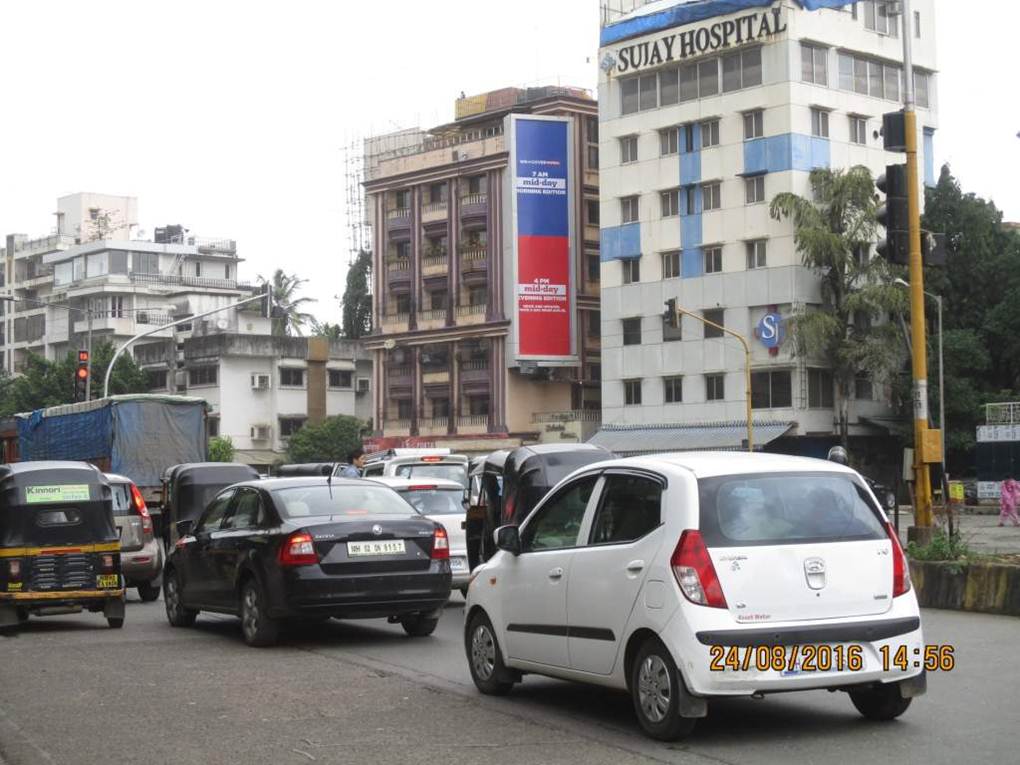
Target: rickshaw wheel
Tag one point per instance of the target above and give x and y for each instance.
(22, 615)
(115, 622)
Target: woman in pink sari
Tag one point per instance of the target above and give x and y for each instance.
(1008, 499)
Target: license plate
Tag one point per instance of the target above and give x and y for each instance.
(457, 564)
(105, 581)
(390, 547)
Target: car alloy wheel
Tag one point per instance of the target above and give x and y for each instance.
(250, 613)
(655, 691)
(176, 613)
(483, 652)
(257, 626)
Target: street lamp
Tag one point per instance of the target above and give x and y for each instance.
(942, 384)
(69, 309)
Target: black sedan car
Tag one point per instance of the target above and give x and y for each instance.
(308, 549)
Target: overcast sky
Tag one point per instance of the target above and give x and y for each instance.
(231, 117)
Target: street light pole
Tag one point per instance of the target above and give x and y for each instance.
(747, 364)
(185, 320)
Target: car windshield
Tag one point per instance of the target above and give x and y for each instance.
(435, 501)
(452, 471)
(121, 499)
(321, 499)
(786, 509)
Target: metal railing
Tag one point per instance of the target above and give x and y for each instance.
(571, 415)
(471, 309)
(399, 318)
(398, 264)
(475, 365)
(474, 199)
(396, 425)
(474, 253)
(433, 314)
(437, 423)
(186, 281)
(434, 261)
(472, 420)
(398, 373)
(399, 212)
(1003, 414)
(434, 207)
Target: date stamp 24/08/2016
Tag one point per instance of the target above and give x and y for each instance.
(828, 658)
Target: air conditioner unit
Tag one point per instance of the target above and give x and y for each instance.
(259, 382)
(363, 385)
(260, 432)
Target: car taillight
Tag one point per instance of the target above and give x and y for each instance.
(900, 569)
(440, 544)
(139, 502)
(14, 570)
(298, 550)
(694, 572)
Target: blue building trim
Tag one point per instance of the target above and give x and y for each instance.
(620, 242)
(692, 264)
(789, 151)
(694, 11)
(929, 157)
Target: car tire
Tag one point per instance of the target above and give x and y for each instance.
(176, 613)
(418, 625)
(115, 622)
(148, 592)
(655, 688)
(485, 659)
(883, 702)
(22, 615)
(257, 626)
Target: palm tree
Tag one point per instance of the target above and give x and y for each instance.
(833, 233)
(287, 316)
(327, 330)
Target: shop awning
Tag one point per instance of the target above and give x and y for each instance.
(652, 439)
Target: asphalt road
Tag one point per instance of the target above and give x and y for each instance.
(74, 692)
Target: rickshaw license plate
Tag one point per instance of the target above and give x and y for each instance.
(104, 581)
(391, 547)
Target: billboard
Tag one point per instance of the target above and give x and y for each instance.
(542, 238)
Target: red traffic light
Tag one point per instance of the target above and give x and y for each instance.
(83, 356)
(82, 373)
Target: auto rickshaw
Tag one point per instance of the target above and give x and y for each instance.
(189, 487)
(59, 549)
(302, 469)
(506, 487)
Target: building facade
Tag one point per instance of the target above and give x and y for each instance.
(92, 268)
(707, 111)
(261, 389)
(441, 207)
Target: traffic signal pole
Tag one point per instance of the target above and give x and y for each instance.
(922, 478)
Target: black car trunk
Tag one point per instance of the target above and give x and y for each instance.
(369, 545)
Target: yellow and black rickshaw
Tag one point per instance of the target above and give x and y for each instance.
(59, 550)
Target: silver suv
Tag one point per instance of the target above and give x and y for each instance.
(141, 555)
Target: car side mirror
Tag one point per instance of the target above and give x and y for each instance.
(509, 538)
(184, 528)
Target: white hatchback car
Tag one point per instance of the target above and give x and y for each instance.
(440, 500)
(683, 577)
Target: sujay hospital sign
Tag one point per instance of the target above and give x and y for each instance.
(697, 42)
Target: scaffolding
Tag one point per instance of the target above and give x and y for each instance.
(359, 230)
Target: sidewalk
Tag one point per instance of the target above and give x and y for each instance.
(981, 531)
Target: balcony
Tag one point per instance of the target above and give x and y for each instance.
(473, 313)
(478, 423)
(398, 275)
(435, 263)
(398, 219)
(396, 428)
(434, 426)
(475, 369)
(434, 212)
(474, 206)
(187, 281)
(394, 321)
(432, 317)
(474, 265)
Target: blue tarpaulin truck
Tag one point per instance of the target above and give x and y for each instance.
(138, 436)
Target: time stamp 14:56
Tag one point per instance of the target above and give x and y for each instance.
(826, 658)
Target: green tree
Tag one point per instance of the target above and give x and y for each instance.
(330, 441)
(980, 287)
(357, 299)
(327, 330)
(221, 449)
(288, 318)
(845, 332)
(46, 383)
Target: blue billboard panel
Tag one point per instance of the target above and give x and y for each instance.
(541, 177)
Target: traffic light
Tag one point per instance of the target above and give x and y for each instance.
(669, 315)
(894, 215)
(894, 131)
(81, 377)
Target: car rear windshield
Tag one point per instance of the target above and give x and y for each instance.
(435, 501)
(121, 499)
(787, 508)
(451, 471)
(306, 501)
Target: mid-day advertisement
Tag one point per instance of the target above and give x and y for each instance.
(540, 156)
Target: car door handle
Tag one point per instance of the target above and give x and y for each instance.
(556, 573)
(635, 565)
